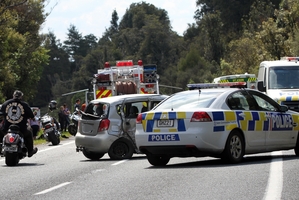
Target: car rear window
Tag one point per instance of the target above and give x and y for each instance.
(98, 109)
(189, 100)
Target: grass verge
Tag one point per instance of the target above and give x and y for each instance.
(41, 140)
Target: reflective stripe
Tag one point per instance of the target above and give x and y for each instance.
(103, 93)
(226, 121)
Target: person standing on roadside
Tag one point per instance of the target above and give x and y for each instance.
(35, 125)
(66, 113)
(77, 105)
(83, 106)
(61, 118)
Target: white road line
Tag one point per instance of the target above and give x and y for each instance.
(52, 188)
(57, 146)
(49, 148)
(120, 162)
(275, 180)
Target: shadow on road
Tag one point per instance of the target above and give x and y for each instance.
(214, 162)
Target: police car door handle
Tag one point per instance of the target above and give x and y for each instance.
(294, 124)
(242, 114)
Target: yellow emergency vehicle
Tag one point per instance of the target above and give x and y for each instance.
(250, 79)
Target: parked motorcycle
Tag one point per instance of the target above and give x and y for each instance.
(75, 117)
(13, 147)
(50, 129)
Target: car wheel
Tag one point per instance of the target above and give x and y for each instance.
(157, 160)
(52, 137)
(72, 129)
(92, 155)
(296, 149)
(121, 149)
(234, 148)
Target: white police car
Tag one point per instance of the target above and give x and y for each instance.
(219, 122)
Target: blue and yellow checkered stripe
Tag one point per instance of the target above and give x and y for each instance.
(223, 121)
(288, 98)
(250, 121)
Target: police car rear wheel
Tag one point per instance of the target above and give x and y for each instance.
(157, 160)
(234, 148)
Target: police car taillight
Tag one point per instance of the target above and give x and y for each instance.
(104, 125)
(139, 119)
(200, 117)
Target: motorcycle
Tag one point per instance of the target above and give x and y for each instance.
(75, 117)
(13, 147)
(50, 129)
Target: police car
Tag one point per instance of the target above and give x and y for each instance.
(226, 123)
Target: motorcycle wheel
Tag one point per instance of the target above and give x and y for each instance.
(11, 159)
(55, 140)
(72, 129)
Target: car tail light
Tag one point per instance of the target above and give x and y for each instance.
(104, 125)
(11, 139)
(200, 117)
(139, 119)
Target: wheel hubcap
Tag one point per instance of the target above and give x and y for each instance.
(121, 150)
(235, 147)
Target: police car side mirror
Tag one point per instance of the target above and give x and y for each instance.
(284, 108)
(260, 86)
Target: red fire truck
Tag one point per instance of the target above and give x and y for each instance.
(125, 78)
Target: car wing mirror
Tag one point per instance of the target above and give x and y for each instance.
(284, 108)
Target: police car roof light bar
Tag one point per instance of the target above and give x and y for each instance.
(193, 86)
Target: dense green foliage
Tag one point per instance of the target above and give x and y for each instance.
(22, 55)
(227, 37)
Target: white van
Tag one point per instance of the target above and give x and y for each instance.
(279, 79)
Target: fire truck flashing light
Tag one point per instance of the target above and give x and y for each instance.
(124, 63)
(107, 65)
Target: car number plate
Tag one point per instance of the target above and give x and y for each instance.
(49, 130)
(165, 123)
(11, 148)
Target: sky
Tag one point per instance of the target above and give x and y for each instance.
(94, 16)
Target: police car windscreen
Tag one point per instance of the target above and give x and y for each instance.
(191, 100)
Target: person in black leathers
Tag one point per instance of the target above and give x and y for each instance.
(17, 112)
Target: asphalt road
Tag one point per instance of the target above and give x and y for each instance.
(59, 172)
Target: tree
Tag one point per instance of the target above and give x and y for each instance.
(57, 70)
(22, 55)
